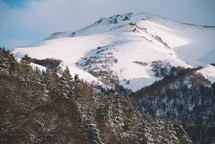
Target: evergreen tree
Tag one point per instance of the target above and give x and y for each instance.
(66, 83)
(50, 82)
(26, 59)
(76, 78)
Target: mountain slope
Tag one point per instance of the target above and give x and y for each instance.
(41, 107)
(182, 95)
(122, 48)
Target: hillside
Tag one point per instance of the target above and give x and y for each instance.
(121, 49)
(167, 68)
(41, 107)
(184, 95)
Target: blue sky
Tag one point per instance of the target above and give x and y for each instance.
(27, 22)
(14, 3)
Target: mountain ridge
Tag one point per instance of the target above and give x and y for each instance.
(124, 40)
(113, 20)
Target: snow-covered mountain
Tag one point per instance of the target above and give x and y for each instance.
(122, 49)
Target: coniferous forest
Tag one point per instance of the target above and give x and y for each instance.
(43, 107)
(183, 94)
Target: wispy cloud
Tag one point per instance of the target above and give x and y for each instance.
(38, 18)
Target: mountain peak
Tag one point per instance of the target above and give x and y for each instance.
(122, 48)
(115, 18)
(104, 24)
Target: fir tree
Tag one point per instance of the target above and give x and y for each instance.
(66, 83)
(26, 59)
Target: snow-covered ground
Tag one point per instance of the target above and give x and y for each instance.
(208, 72)
(130, 38)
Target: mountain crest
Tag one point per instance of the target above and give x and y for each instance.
(117, 46)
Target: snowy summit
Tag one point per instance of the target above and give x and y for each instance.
(122, 49)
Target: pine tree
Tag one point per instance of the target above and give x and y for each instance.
(92, 130)
(26, 59)
(50, 82)
(66, 83)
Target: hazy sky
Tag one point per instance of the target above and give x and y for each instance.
(23, 22)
